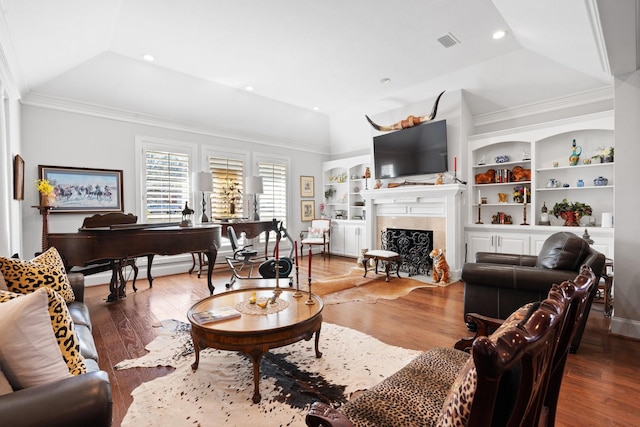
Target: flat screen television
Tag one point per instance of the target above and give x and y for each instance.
(417, 150)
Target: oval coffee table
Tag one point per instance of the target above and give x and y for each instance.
(255, 334)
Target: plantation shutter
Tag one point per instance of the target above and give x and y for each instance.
(273, 200)
(167, 185)
(228, 186)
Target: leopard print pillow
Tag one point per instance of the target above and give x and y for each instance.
(47, 269)
(63, 329)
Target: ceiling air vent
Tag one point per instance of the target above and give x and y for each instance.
(448, 40)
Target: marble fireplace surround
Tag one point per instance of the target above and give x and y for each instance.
(420, 207)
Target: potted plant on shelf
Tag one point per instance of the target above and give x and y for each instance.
(604, 155)
(571, 212)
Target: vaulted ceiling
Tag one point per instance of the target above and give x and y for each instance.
(329, 54)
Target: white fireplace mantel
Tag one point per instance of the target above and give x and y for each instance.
(444, 201)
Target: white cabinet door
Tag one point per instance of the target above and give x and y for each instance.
(512, 243)
(509, 243)
(353, 239)
(337, 239)
(479, 242)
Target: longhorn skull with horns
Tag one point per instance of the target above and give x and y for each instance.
(409, 121)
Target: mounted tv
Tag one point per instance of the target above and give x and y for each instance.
(417, 150)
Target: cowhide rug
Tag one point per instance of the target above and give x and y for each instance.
(220, 391)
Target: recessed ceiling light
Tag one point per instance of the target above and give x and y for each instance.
(316, 108)
(385, 81)
(499, 34)
(148, 58)
(248, 88)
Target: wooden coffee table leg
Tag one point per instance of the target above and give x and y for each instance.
(318, 352)
(196, 350)
(365, 261)
(256, 355)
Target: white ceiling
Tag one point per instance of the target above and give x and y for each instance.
(331, 53)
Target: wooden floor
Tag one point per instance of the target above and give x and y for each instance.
(601, 385)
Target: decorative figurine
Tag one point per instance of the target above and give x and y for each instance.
(544, 216)
(186, 215)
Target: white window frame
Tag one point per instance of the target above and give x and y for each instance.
(144, 143)
(286, 161)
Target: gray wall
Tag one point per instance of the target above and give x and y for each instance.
(61, 138)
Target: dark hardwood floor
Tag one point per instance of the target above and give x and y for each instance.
(601, 385)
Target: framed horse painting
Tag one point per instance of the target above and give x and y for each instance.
(83, 189)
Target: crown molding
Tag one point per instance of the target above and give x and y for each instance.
(598, 34)
(605, 93)
(42, 100)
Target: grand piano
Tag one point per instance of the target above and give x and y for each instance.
(124, 242)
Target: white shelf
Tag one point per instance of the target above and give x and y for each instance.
(547, 144)
(502, 165)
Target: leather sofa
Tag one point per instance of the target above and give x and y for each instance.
(83, 400)
(497, 284)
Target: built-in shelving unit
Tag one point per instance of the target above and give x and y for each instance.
(543, 151)
(343, 183)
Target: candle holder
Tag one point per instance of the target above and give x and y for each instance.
(479, 210)
(297, 293)
(277, 291)
(524, 209)
(309, 301)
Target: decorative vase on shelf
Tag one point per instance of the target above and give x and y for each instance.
(47, 199)
(571, 218)
(576, 151)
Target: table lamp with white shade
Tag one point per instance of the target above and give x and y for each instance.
(203, 181)
(254, 186)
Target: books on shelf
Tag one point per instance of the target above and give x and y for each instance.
(216, 315)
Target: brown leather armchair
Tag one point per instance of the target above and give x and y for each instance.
(497, 284)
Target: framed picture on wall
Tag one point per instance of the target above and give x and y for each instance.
(18, 178)
(306, 186)
(84, 189)
(308, 209)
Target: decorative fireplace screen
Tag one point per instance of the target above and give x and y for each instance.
(414, 246)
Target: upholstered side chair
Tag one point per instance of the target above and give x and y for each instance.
(318, 234)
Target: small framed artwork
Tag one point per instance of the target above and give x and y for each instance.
(18, 178)
(308, 210)
(306, 186)
(84, 189)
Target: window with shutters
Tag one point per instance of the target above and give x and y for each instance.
(273, 200)
(228, 187)
(165, 184)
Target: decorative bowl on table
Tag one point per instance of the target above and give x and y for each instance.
(502, 158)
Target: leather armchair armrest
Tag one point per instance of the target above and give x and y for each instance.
(77, 284)
(511, 259)
(323, 415)
(513, 277)
(83, 400)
